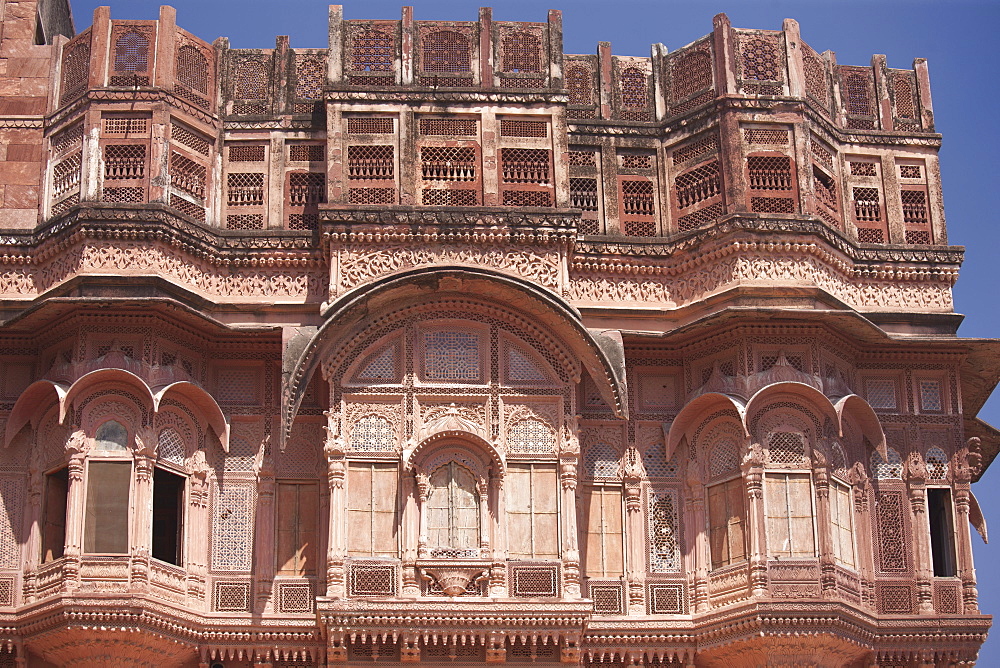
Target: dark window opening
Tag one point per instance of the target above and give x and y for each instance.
(54, 521)
(106, 517)
(168, 516)
(942, 532)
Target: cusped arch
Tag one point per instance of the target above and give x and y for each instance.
(693, 414)
(601, 353)
(92, 379)
(195, 397)
(807, 395)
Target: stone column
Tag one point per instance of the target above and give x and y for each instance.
(337, 544)
(753, 474)
(967, 464)
(694, 517)
(198, 527)
(916, 478)
(824, 528)
(569, 456)
(142, 509)
(265, 531)
(423, 491)
(32, 524)
(485, 528)
(498, 567)
(411, 534)
(76, 448)
(635, 554)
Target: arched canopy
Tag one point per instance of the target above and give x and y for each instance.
(976, 517)
(196, 397)
(426, 450)
(601, 353)
(42, 393)
(864, 416)
(31, 404)
(692, 415)
(807, 394)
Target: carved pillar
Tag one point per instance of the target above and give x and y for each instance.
(824, 529)
(76, 448)
(916, 478)
(498, 568)
(694, 516)
(863, 527)
(199, 526)
(423, 491)
(411, 532)
(265, 532)
(32, 527)
(753, 473)
(145, 458)
(568, 477)
(635, 555)
(337, 546)
(496, 651)
(483, 490)
(336, 648)
(409, 648)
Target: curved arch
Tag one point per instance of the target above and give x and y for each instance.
(93, 378)
(691, 415)
(29, 406)
(809, 394)
(601, 352)
(865, 417)
(198, 398)
(458, 440)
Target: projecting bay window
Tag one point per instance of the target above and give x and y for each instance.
(727, 523)
(297, 529)
(788, 502)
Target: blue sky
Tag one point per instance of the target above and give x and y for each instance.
(955, 36)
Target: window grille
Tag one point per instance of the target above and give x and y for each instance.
(250, 81)
(930, 395)
(770, 172)
(891, 532)
(369, 126)
(937, 464)
(371, 195)
(448, 163)
(521, 53)
(124, 162)
(446, 51)
(530, 436)
(373, 433)
(859, 96)
(697, 185)
(246, 153)
(580, 84)
(525, 165)
(245, 189)
(459, 127)
(372, 51)
(187, 176)
(705, 144)
(866, 205)
(881, 393)
(75, 71)
(583, 194)
(310, 76)
(191, 139)
(663, 532)
(887, 469)
(638, 198)
(634, 90)
(192, 68)
(448, 197)
(451, 356)
(132, 52)
(527, 198)
(306, 153)
(233, 526)
(306, 188)
(690, 74)
(370, 163)
(760, 59)
(515, 128)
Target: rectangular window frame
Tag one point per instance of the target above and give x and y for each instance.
(842, 533)
(306, 555)
(776, 515)
(532, 517)
(356, 517)
(91, 534)
(602, 538)
(721, 554)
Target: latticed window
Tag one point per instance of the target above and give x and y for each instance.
(902, 88)
(937, 464)
(690, 73)
(760, 60)
(663, 532)
(887, 469)
(525, 165)
(66, 175)
(601, 461)
(707, 143)
(245, 189)
(233, 526)
(449, 197)
(372, 433)
(532, 511)
(522, 368)
(371, 509)
(250, 81)
(370, 163)
(815, 74)
(306, 153)
(515, 128)
(727, 519)
(914, 207)
(600, 522)
(193, 140)
(75, 68)
(451, 356)
(246, 153)
(458, 127)
(192, 68)
(453, 509)
(826, 188)
(530, 436)
(306, 188)
(638, 198)
(697, 185)
(842, 523)
(724, 459)
(881, 393)
(580, 84)
(583, 194)
(446, 51)
(858, 95)
(448, 163)
(379, 125)
(372, 51)
(789, 509)
(132, 52)
(785, 447)
(124, 161)
(867, 208)
(769, 172)
(634, 91)
(310, 75)
(891, 532)
(930, 394)
(521, 53)
(186, 175)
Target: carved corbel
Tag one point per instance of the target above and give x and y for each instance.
(916, 475)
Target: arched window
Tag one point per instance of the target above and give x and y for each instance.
(131, 52)
(887, 469)
(453, 511)
(446, 51)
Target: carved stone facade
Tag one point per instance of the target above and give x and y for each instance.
(440, 345)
